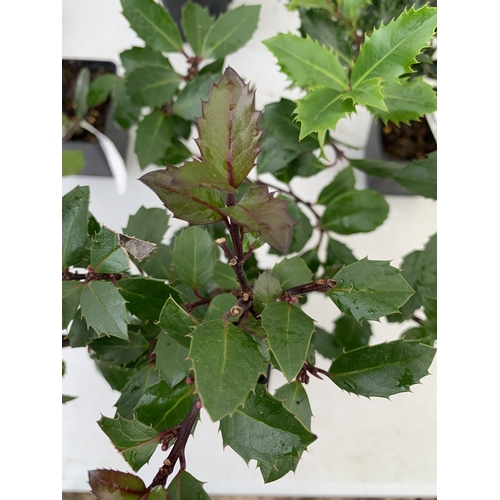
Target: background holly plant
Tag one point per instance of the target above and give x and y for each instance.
(196, 324)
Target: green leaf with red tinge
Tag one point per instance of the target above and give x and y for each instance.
(226, 363)
(229, 137)
(260, 211)
(193, 204)
(186, 487)
(115, 485)
(134, 440)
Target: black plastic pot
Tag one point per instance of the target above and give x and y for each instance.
(374, 151)
(216, 7)
(95, 161)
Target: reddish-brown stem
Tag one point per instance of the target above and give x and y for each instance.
(183, 433)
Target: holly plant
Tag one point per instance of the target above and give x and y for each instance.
(197, 324)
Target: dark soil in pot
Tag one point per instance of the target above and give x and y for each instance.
(408, 142)
(402, 143)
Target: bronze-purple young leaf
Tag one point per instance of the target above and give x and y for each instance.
(229, 137)
(258, 210)
(194, 205)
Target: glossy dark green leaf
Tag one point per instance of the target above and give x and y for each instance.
(382, 370)
(104, 309)
(307, 63)
(152, 86)
(146, 296)
(420, 177)
(73, 160)
(75, 212)
(224, 276)
(120, 351)
(171, 359)
(305, 165)
(337, 256)
(273, 156)
(279, 122)
(289, 331)
(213, 68)
(176, 322)
(370, 289)
(226, 363)
(196, 22)
(295, 399)
(137, 57)
(101, 88)
(320, 26)
(80, 334)
(292, 272)
(116, 376)
(426, 284)
(220, 305)
(420, 333)
(409, 270)
(263, 429)
(259, 211)
(149, 224)
(229, 136)
(134, 440)
(108, 484)
(158, 493)
(71, 293)
(81, 92)
(355, 212)
(126, 112)
(266, 290)
(377, 168)
(324, 343)
(194, 257)
(194, 205)
(67, 399)
(231, 31)
(302, 231)
(188, 102)
(153, 24)
(154, 136)
(159, 265)
(344, 181)
(134, 389)
(107, 255)
(349, 334)
(186, 487)
(164, 407)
